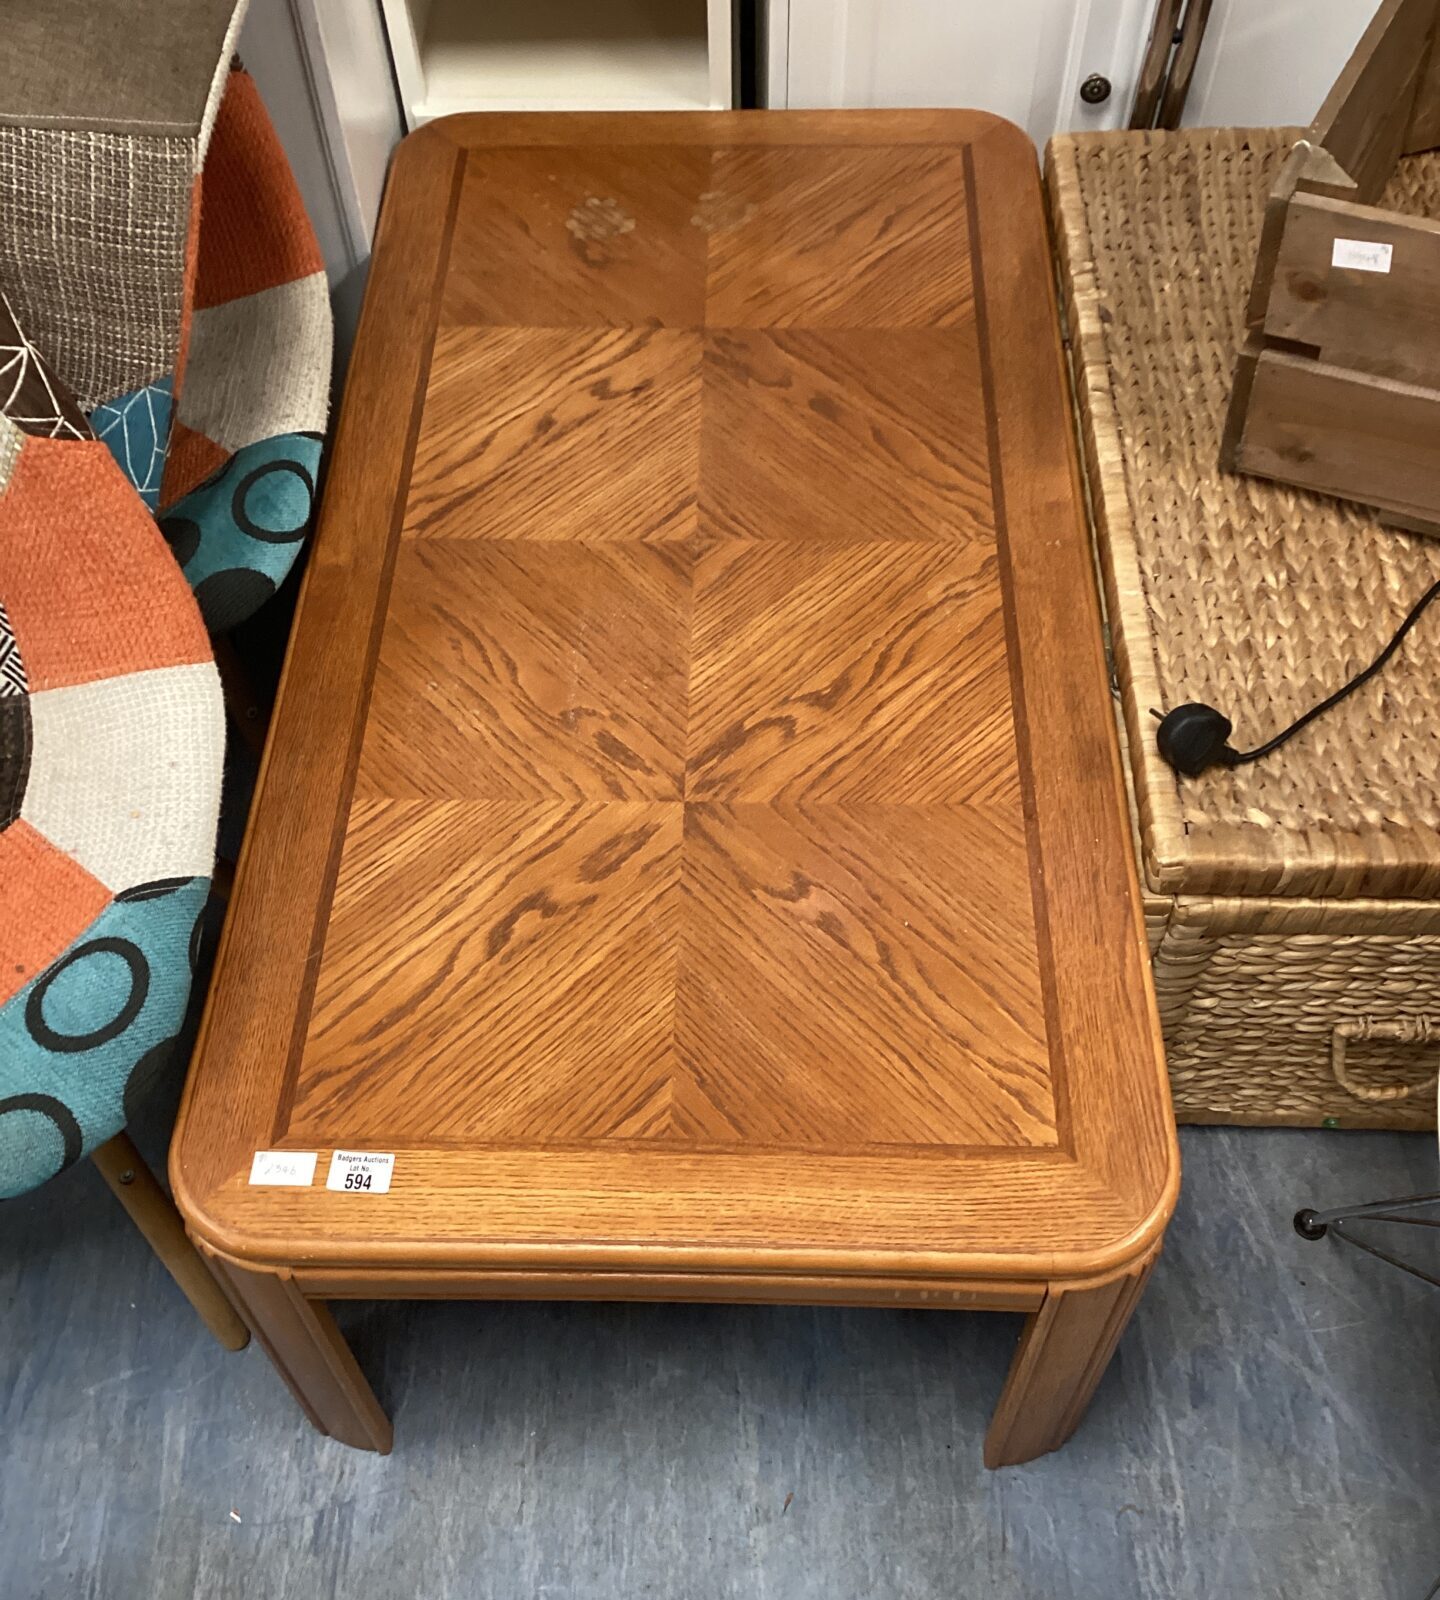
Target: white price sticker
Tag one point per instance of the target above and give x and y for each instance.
(1362, 255)
(291, 1169)
(360, 1172)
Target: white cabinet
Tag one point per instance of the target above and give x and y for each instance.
(559, 55)
(1024, 59)
(1264, 61)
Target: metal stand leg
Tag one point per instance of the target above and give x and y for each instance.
(1317, 1224)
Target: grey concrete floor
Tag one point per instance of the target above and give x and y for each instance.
(1269, 1429)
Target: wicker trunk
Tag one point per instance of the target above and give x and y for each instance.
(1293, 906)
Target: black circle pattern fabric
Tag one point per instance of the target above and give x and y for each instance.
(149, 1070)
(227, 598)
(251, 503)
(183, 536)
(56, 1112)
(111, 757)
(83, 1041)
(98, 1032)
(237, 534)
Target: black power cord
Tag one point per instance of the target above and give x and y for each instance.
(1193, 737)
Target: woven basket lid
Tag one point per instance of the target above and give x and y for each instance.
(1237, 592)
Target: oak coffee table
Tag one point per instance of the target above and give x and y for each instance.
(691, 858)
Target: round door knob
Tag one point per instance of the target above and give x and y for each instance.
(1095, 90)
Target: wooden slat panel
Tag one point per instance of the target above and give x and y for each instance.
(1367, 439)
(1380, 323)
(1424, 130)
(1309, 168)
(1365, 117)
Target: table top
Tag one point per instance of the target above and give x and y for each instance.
(692, 836)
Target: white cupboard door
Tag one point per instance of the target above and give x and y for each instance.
(1023, 59)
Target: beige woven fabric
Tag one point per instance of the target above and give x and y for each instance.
(283, 332)
(1234, 591)
(10, 442)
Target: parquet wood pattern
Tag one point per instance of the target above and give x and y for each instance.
(599, 235)
(839, 238)
(887, 421)
(517, 419)
(803, 690)
(532, 671)
(869, 671)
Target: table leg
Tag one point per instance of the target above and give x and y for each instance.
(310, 1353)
(1064, 1350)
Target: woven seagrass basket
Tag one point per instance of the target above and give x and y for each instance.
(1293, 906)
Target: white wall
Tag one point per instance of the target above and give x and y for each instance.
(1271, 62)
(323, 68)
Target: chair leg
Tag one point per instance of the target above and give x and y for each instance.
(153, 1212)
(247, 709)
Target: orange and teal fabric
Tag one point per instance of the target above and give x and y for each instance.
(238, 489)
(111, 747)
(154, 247)
(154, 244)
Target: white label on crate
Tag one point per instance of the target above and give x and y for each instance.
(360, 1172)
(1362, 255)
(294, 1169)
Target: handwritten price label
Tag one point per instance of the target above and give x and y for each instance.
(1362, 255)
(290, 1169)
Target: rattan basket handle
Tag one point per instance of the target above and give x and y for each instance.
(1404, 1030)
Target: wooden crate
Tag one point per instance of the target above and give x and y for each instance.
(1338, 385)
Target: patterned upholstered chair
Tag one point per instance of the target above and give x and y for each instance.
(154, 246)
(111, 749)
(237, 490)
